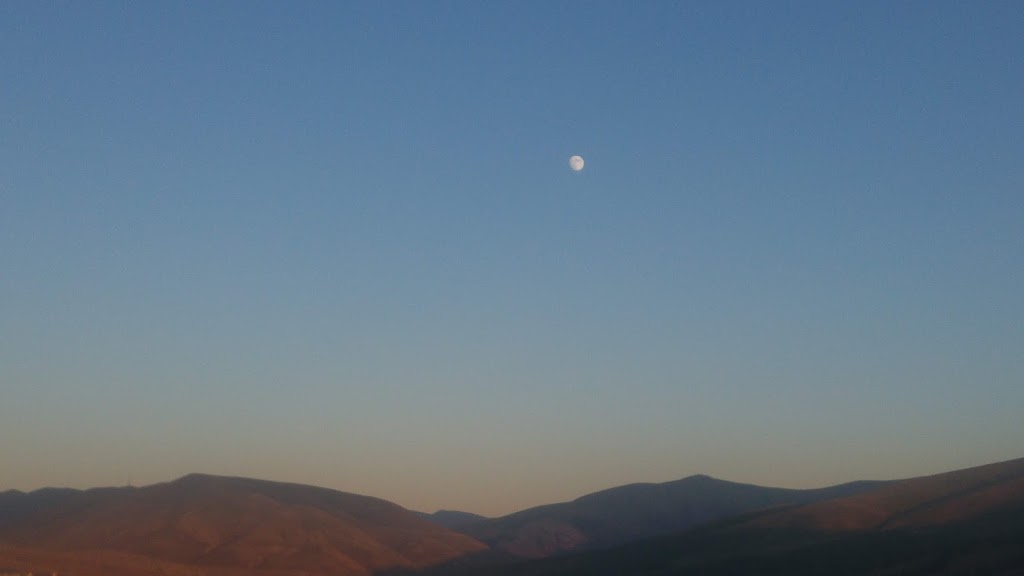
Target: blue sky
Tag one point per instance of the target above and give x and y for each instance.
(340, 243)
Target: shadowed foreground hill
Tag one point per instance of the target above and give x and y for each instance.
(217, 525)
(627, 513)
(965, 522)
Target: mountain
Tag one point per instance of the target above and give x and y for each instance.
(219, 525)
(964, 522)
(636, 511)
(14, 505)
(913, 503)
(453, 519)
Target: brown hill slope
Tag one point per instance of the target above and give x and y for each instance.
(957, 523)
(916, 502)
(234, 523)
(627, 513)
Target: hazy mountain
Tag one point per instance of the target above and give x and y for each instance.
(452, 518)
(14, 505)
(964, 522)
(221, 525)
(636, 511)
(916, 502)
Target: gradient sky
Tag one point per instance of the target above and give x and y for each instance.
(340, 244)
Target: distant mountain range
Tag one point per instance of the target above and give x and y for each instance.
(453, 518)
(634, 512)
(215, 525)
(963, 522)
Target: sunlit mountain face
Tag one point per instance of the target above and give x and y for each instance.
(201, 524)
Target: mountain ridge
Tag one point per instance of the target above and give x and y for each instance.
(206, 525)
(452, 518)
(635, 511)
(224, 523)
(962, 522)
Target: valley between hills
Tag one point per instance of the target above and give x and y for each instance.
(961, 522)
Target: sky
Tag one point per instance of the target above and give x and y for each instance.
(339, 243)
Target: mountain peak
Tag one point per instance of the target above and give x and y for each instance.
(634, 511)
(195, 477)
(216, 521)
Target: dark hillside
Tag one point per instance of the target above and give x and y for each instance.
(452, 518)
(637, 511)
(964, 522)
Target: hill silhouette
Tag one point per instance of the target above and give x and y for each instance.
(220, 525)
(963, 522)
(452, 518)
(15, 505)
(636, 511)
(916, 502)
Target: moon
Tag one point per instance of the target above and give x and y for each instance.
(576, 163)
